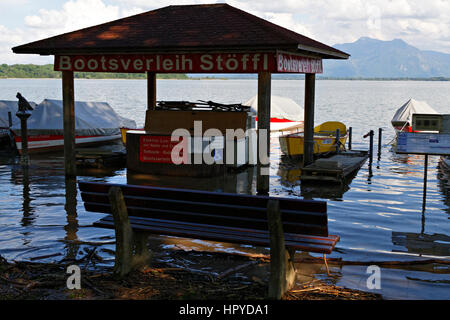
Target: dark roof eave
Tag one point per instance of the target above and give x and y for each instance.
(308, 51)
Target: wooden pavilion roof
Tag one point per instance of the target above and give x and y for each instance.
(182, 28)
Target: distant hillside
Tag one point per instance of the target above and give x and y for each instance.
(371, 58)
(46, 71)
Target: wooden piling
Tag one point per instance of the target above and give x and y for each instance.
(308, 156)
(9, 119)
(124, 233)
(371, 134)
(380, 133)
(69, 123)
(282, 271)
(263, 164)
(23, 116)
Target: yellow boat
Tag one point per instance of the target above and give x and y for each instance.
(324, 139)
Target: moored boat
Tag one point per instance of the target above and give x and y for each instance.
(324, 139)
(285, 114)
(402, 120)
(95, 123)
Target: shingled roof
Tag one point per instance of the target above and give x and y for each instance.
(182, 28)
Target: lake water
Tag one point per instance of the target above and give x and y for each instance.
(378, 214)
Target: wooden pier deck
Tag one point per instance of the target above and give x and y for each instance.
(336, 168)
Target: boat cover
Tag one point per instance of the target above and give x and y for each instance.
(280, 108)
(10, 106)
(91, 118)
(404, 114)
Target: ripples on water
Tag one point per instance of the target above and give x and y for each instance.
(378, 214)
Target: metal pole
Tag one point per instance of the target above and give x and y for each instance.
(350, 138)
(425, 177)
(338, 137)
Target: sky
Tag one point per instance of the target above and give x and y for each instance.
(423, 24)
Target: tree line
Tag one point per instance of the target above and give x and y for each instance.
(46, 71)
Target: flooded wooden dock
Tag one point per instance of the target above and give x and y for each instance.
(336, 168)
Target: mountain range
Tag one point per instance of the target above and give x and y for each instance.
(372, 58)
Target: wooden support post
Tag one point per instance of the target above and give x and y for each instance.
(282, 271)
(124, 234)
(308, 147)
(263, 164)
(151, 90)
(69, 123)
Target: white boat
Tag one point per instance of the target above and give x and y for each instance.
(95, 123)
(285, 114)
(402, 120)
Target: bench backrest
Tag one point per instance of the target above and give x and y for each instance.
(227, 209)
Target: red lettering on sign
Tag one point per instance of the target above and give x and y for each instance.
(158, 149)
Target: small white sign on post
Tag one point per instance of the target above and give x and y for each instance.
(423, 143)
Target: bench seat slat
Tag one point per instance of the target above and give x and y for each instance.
(220, 229)
(197, 217)
(208, 196)
(221, 234)
(205, 207)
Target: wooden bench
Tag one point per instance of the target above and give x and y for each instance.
(283, 224)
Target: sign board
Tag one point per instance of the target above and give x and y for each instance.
(157, 149)
(190, 63)
(291, 63)
(423, 143)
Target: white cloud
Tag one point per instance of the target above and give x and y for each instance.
(75, 14)
(424, 24)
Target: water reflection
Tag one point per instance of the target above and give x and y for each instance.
(289, 171)
(241, 181)
(71, 227)
(20, 176)
(422, 244)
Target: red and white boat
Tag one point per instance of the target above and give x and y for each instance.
(285, 114)
(95, 123)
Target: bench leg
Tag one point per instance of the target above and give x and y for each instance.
(124, 234)
(282, 271)
(142, 255)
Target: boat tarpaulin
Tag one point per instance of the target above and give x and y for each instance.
(10, 106)
(403, 116)
(280, 108)
(91, 118)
